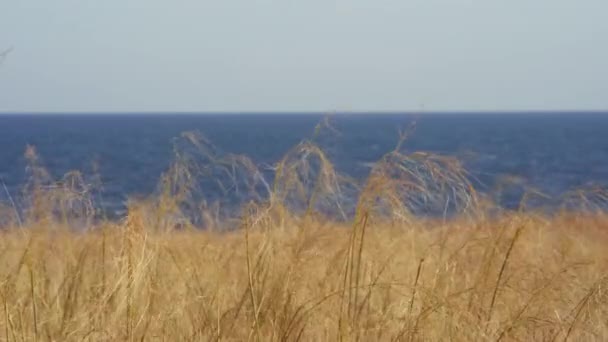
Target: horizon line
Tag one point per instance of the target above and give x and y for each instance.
(287, 112)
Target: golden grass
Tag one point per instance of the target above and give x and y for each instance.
(517, 277)
(285, 274)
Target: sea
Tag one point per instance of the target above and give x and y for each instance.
(552, 153)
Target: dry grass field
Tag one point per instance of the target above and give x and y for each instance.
(281, 274)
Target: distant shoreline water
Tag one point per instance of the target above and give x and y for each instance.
(553, 152)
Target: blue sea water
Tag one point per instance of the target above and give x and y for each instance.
(552, 152)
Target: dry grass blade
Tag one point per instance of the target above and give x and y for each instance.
(578, 309)
(502, 271)
(4, 54)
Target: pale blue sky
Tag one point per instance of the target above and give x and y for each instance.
(305, 55)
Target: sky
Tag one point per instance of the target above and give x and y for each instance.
(304, 55)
